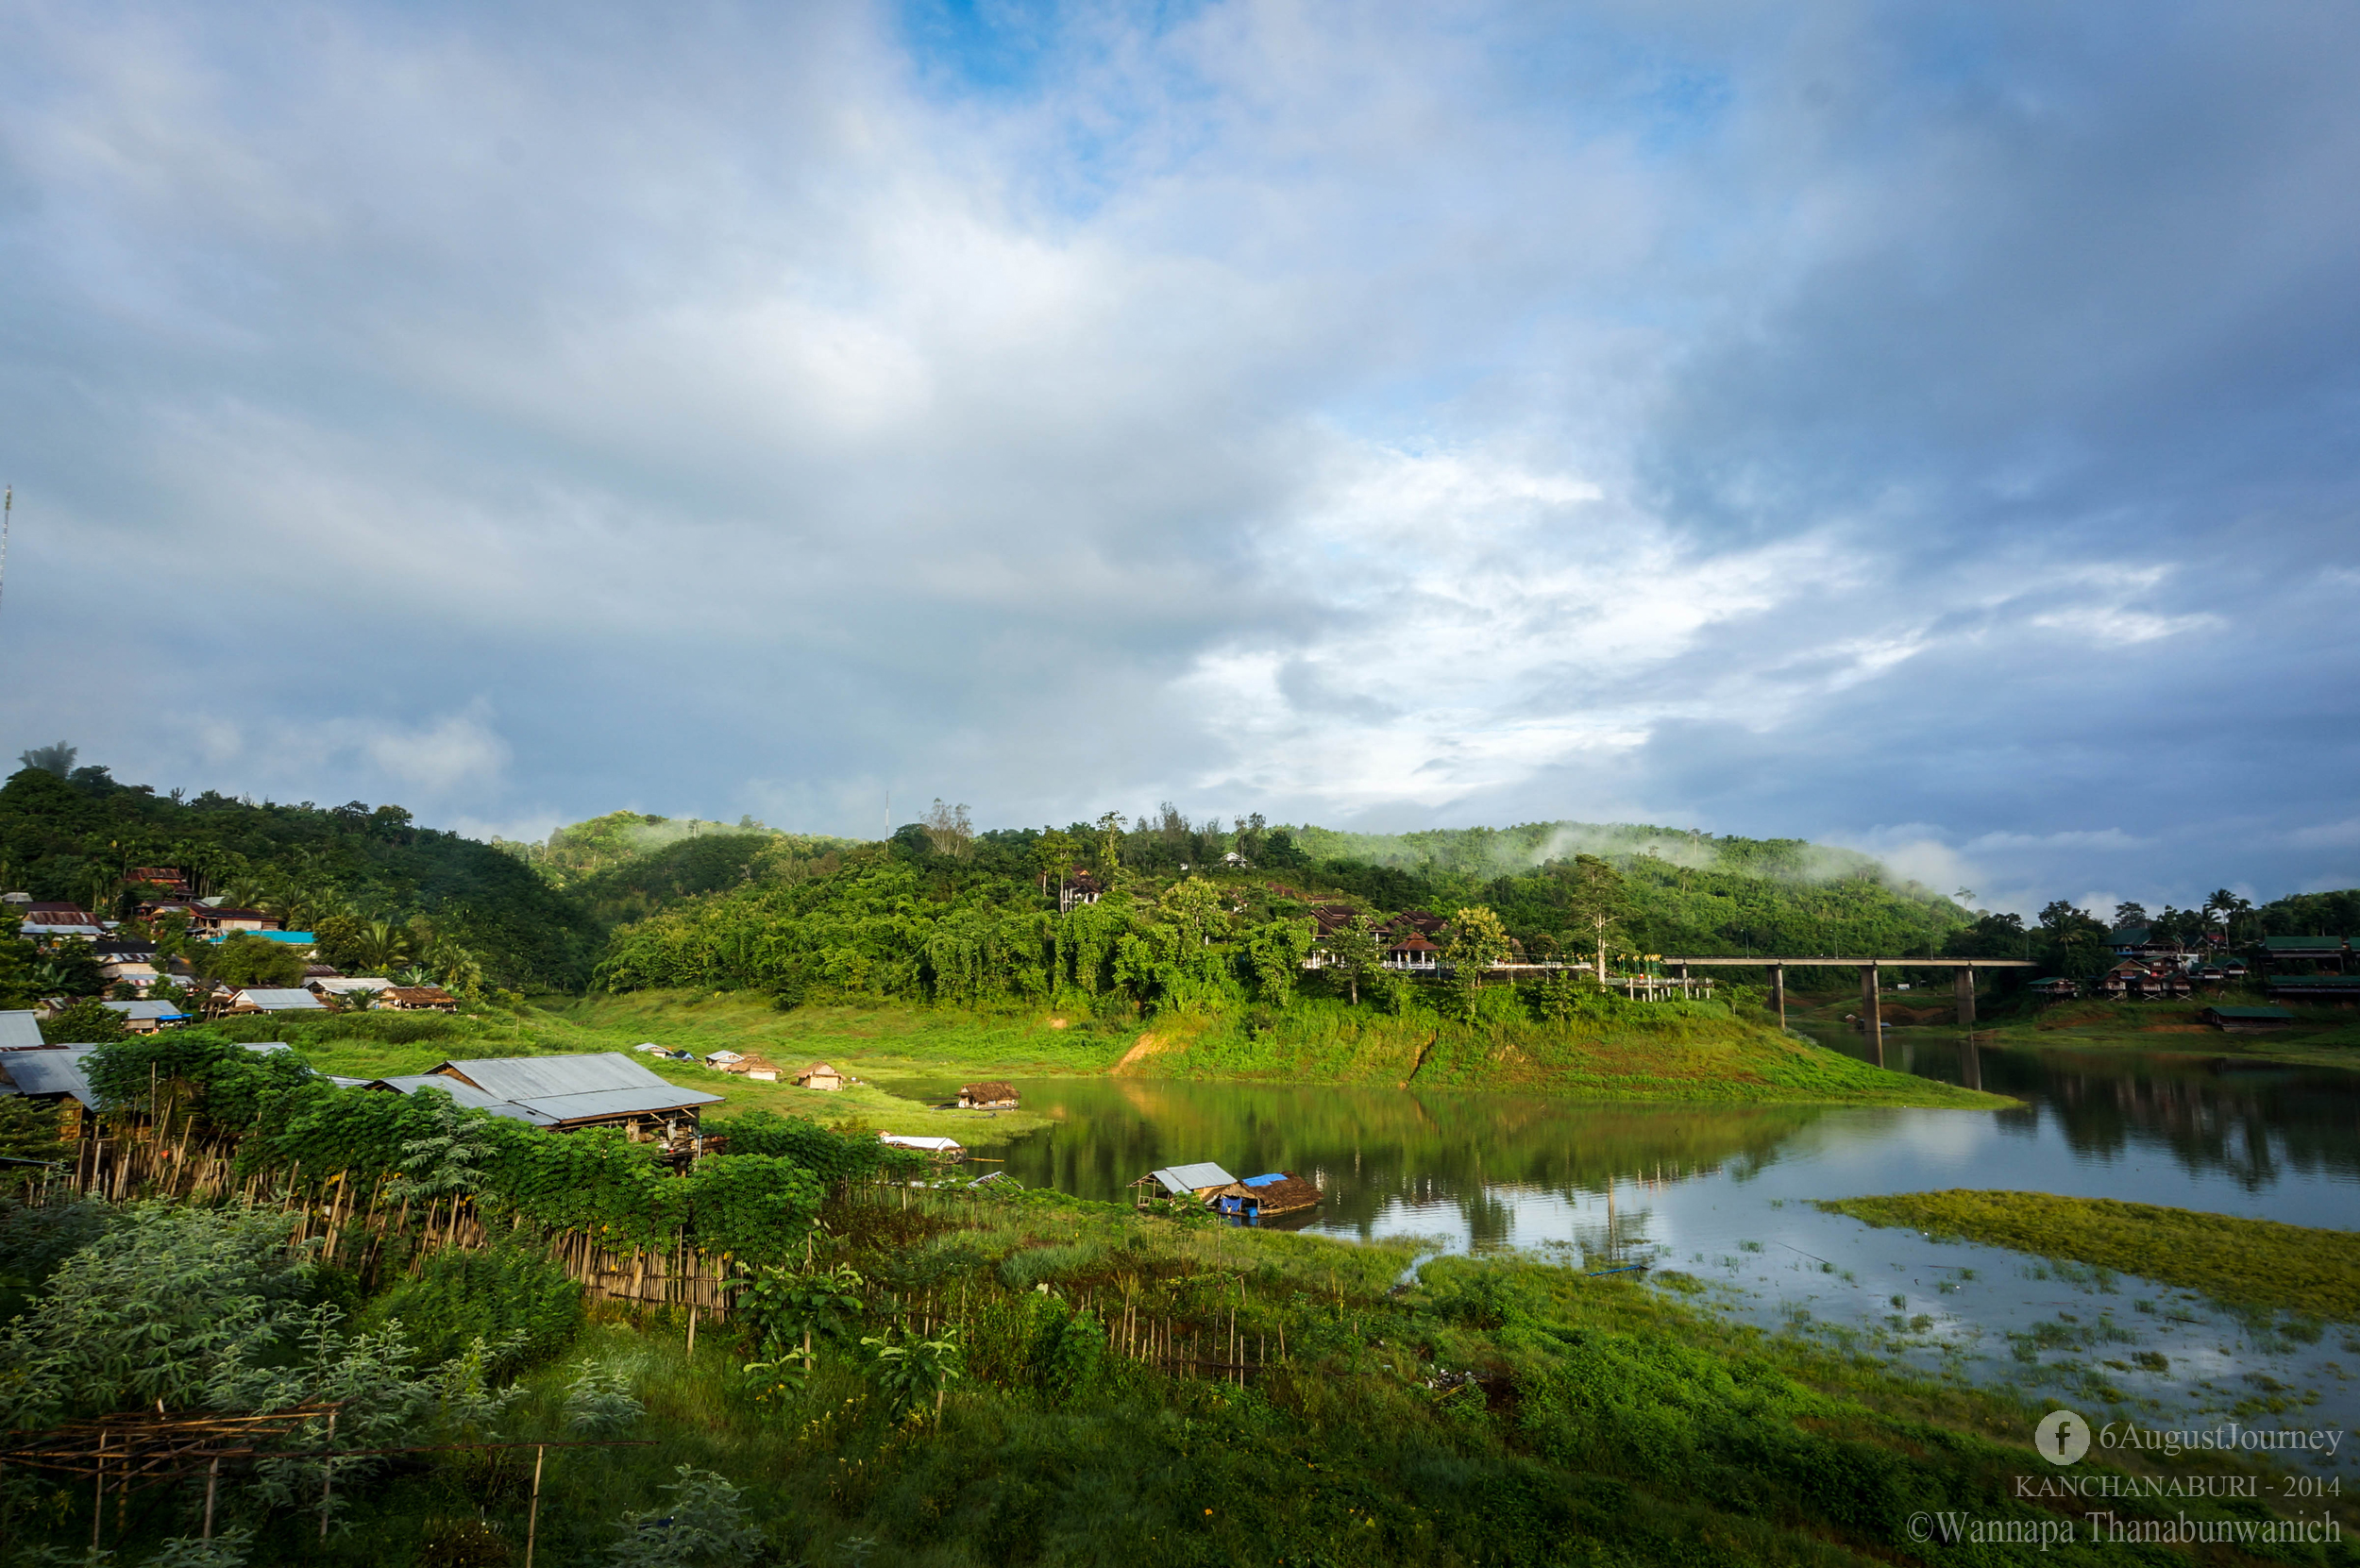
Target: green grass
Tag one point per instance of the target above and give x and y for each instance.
(1663, 1054)
(2253, 1263)
(372, 1046)
(1498, 1411)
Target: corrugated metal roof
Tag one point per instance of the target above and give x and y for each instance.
(576, 1088)
(464, 1093)
(57, 1071)
(529, 1077)
(2250, 1012)
(18, 1030)
(618, 1102)
(147, 1009)
(930, 1145)
(275, 1000)
(1181, 1179)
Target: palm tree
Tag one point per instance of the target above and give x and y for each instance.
(381, 946)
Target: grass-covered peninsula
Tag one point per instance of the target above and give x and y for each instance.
(2238, 1262)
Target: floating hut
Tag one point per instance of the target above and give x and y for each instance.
(1265, 1197)
(993, 1096)
(1200, 1180)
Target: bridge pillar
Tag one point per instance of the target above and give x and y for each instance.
(1871, 1020)
(1778, 993)
(1967, 996)
(1970, 1063)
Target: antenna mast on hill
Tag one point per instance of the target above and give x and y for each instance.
(8, 511)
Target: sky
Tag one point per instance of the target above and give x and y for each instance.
(1928, 429)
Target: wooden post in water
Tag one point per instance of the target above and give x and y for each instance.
(1871, 1023)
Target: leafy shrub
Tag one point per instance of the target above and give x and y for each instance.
(149, 1310)
(706, 1521)
(459, 1297)
(833, 1157)
(34, 1241)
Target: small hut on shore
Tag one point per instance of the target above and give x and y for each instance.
(820, 1075)
(994, 1096)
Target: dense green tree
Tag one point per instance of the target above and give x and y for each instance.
(2073, 940)
(88, 1021)
(244, 959)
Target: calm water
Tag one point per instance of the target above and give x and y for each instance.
(1723, 1195)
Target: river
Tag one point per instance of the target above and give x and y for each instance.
(1723, 1195)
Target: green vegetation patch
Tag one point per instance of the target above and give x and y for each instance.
(2240, 1262)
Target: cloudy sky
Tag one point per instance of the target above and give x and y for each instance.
(1932, 429)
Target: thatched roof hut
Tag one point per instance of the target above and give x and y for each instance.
(996, 1095)
(1262, 1197)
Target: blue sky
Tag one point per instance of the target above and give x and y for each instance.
(1930, 428)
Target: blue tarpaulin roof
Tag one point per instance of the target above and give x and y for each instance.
(1264, 1181)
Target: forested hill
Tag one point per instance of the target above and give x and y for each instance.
(1197, 912)
(449, 902)
(1685, 892)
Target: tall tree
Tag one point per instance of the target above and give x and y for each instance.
(1357, 952)
(1596, 903)
(1473, 942)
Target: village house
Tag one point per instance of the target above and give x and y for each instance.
(1414, 952)
(418, 998)
(333, 988)
(20, 1030)
(994, 1096)
(2318, 988)
(565, 1093)
(2247, 1021)
(1078, 887)
(820, 1075)
(207, 920)
(2281, 951)
(274, 999)
(148, 1018)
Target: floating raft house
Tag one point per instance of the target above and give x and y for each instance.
(1182, 1181)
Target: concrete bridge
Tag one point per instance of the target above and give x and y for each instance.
(1871, 1017)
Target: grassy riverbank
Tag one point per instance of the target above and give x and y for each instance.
(1667, 1053)
(2254, 1263)
(1495, 1412)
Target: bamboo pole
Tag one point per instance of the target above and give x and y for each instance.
(533, 1520)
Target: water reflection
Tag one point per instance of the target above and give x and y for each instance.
(2255, 1124)
(1378, 1152)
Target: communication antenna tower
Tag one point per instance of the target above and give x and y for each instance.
(7, 513)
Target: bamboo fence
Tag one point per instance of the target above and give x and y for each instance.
(347, 1218)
